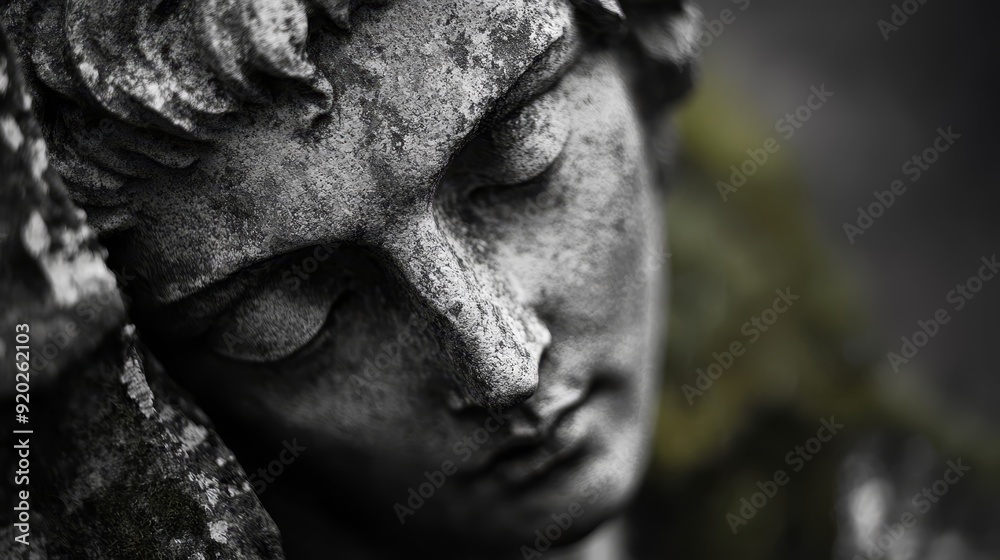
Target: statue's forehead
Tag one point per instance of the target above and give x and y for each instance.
(414, 81)
(411, 83)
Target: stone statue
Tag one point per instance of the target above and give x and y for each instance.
(400, 262)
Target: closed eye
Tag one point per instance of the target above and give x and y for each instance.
(513, 160)
(278, 320)
(270, 326)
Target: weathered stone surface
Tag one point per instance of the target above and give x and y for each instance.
(141, 474)
(122, 465)
(50, 262)
(477, 174)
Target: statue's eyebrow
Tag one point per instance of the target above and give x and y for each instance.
(542, 73)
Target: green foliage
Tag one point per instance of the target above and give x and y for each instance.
(728, 258)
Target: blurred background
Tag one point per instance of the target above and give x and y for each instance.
(803, 427)
(887, 484)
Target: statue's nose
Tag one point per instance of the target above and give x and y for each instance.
(494, 340)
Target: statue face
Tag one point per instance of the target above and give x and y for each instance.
(455, 263)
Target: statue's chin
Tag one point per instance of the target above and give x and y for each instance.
(560, 508)
(558, 492)
(563, 523)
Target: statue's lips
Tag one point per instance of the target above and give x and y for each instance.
(533, 465)
(525, 461)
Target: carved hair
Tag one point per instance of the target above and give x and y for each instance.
(160, 71)
(166, 63)
(135, 82)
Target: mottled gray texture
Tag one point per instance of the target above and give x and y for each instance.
(476, 173)
(122, 465)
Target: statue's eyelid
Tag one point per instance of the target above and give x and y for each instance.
(270, 338)
(528, 144)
